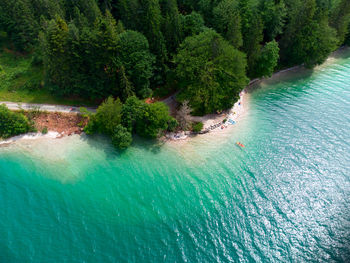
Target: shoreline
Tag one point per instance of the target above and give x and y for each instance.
(57, 125)
(214, 122)
(31, 136)
(211, 123)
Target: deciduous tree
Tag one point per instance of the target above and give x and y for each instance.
(211, 72)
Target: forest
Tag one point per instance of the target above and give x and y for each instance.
(204, 51)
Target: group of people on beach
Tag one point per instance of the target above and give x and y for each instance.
(215, 126)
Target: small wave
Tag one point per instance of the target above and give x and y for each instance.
(31, 136)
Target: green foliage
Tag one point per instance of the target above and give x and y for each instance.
(267, 61)
(138, 62)
(147, 120)
(227, 21)
(340, 20)
(44, 130)
(308, 37)
(205, 7)
(108, 116)
(173, 124)
(76, 49)
(21, 81)
(171, 25)
(120, 27)
(151, 19)
(54, 44)
(197, 127)
(273, 14)
(84, 112)
(154, 119)
(132, 110)
(135, 116)
(192, 24)
(211, 72)
(12, 123)
(252, 42)
(121, 137)
(107, 121)
(18, 19)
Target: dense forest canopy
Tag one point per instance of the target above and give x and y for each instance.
(205, 49)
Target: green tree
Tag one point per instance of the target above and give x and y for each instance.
(192, 24)
(120, 27)
(105, 5)
(308, 38)
(206, 7)
(121, 137)
(54, 43)
(197, 127)
(172, 28)
(132, 109)
(273, 15)
(147, 120)
(340, 20)
(12, 123)
(89, 8)
(267, 60)
(210, 71)
(187, 6)
(135, 56)
(100, 58)
(108, 116)
(227, 21)
(252, 43)
(128, 12)
(84, 61)
(125, 86)
(154, 120)
(150, 26)
(18, 19)
(252, 30)
(48, 9)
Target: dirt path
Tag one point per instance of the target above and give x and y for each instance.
(44, 107)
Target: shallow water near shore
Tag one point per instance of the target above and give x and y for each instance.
(285, 197)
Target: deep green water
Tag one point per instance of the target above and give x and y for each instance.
(284, 198)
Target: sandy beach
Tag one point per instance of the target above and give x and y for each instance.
(31, 136)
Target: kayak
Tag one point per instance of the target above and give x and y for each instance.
(240, 144)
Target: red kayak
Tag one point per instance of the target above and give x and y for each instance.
(240, 144)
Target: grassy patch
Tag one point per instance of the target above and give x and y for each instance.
(20, 81)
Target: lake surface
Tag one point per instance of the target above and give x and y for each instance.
(283, 198)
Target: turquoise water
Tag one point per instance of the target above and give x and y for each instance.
(283, 198)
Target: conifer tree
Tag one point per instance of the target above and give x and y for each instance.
(340, 20)
(18, 20)
(273, 14)
(172, 28)
(308, 38)
(228, 22)
(55, 46)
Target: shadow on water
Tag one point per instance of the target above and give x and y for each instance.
(341, 53)
(150, 145)
(295, 74)
(100, 142)
(289, 76)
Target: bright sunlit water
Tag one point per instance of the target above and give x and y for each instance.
(283, 198)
